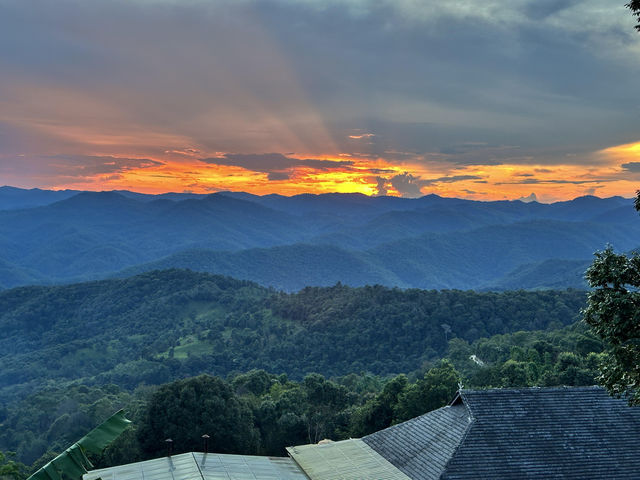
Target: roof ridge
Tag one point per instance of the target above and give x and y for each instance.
(406, 422)
(197, 464)
(462, 394)
(390, 442)
(460, 442)
(462, 439)
(558, 388)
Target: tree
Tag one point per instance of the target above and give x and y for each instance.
(434, 390)
(187, 409)
(255, 382)
(325, 400)
(514, 374)
(377, 413)
(634, 6)
(10, 469)
(613, 312)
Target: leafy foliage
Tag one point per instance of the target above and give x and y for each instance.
(55, 417)
(268, 412)
(432, 391)
(634, 6)
(613, 312)
(563, 357)
(65, 347)
(185, 410)
(161, 326)
(11, 469)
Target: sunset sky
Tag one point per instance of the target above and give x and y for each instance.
(492, 99)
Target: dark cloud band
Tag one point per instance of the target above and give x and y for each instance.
(276, 165)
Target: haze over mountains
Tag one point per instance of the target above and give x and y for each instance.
(290, 242)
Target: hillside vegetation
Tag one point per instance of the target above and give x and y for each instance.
(163, 325)
(267, 412)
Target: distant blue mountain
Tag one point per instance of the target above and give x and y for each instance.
(544, 275)
(292, 242)
(12, 198)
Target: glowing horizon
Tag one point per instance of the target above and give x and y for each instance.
(349, 174)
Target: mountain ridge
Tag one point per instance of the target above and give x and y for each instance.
(426, 242)
(165, 324)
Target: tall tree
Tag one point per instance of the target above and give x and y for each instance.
(185, 410)
(613, 312)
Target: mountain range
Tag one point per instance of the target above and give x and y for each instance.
(432, 242)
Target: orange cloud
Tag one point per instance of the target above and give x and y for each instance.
(203, 177)
(487, 182)
(625, 152)
(617, 173)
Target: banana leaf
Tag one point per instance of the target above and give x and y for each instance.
(73, 462)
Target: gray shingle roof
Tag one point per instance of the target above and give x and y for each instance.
(567, 432)
(421, 447)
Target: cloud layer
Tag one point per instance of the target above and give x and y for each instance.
(277, 165)
(398, 96)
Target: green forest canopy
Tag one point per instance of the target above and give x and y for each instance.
(164, 325)
(270, 411)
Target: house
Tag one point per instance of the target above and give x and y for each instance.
(565, 432)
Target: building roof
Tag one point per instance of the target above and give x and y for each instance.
(568, 432)
(347, 460)
(204, 466)
(422, 446)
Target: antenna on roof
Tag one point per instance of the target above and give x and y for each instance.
(169, 443)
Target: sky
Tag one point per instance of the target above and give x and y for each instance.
(486, 100)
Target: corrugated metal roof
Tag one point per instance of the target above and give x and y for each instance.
(344, 460)
(201, 466)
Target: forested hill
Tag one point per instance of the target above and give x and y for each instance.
(292, 242)
(162, 325)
